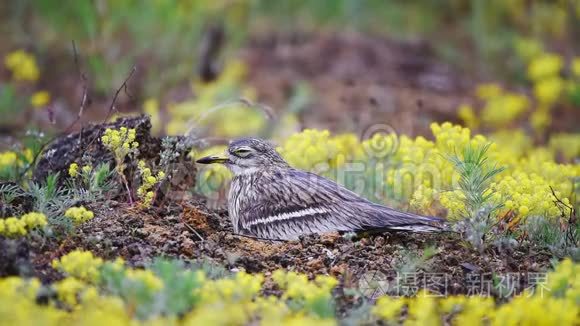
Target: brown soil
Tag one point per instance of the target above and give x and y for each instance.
(358, 81)
(190, 231)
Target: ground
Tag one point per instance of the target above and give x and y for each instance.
(194, 233)
(368, 80)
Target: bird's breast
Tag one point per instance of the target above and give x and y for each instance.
(238, 196)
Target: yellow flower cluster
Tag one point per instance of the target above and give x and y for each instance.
(514, 144)
(73, 170)
(544, 69)
(564, 281)
(468, 116)
(145, 277)
(8, 159)
(22, 65)
(559, 298)
(499, 110)
(79, 214)
(20, 308)
(40, 99)
(240, 297)
(16, 227)
(423, 175)
(575, 67)
(504, 108)
(121, 142)
(529, 194)
(151, 107)
(148, 181)
(79, 264)
(298, 287)
(418, 170)
(213, 108)
(313, 148)
(379, 146)
(13, 163)
(237, 301)
(242, 287)
(549, 85)
(566, 144)
(87, 169)
(68, 290)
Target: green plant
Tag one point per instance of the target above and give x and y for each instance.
(53, 201)
(412, 261)
(90, 184)
(8, 193)
(476, 175)
(10, 103)
(547, 233)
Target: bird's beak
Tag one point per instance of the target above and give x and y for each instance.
(212, 159)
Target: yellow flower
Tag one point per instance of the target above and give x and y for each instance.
(145, 277)
(503, 109)
(79, 214)
(488, 91)
(151, 107)
(548, 90)
(388, 309)
(40, 99)
(14, 227)
(540, 119)
(87, 169)
(468, 116)
(80, 264)
(576, 66)
(568, 144)
(22, 65)
(34, 219)
(422, 198)
(528, 49)
(7, 159)
(73, 170)
(546, 65)
(424, 310)
(148, 181)
(68, 289)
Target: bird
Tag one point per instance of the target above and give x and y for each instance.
(269, 199)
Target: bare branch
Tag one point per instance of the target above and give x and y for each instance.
(122, 87)
(85, 85)
(84, 99)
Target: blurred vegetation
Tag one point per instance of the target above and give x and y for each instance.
(506, 175)
(164, 35)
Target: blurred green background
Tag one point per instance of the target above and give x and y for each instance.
(191, 56)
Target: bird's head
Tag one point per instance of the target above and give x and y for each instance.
(247, 155)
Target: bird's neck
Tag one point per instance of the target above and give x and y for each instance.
(241, 171)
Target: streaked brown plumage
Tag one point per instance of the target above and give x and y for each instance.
(269, 199)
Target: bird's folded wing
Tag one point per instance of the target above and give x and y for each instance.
(295, 202)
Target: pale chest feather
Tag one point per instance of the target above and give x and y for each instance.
(239, 197)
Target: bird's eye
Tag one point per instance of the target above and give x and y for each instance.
(242, 151)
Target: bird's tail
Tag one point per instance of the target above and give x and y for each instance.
(391, 219)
